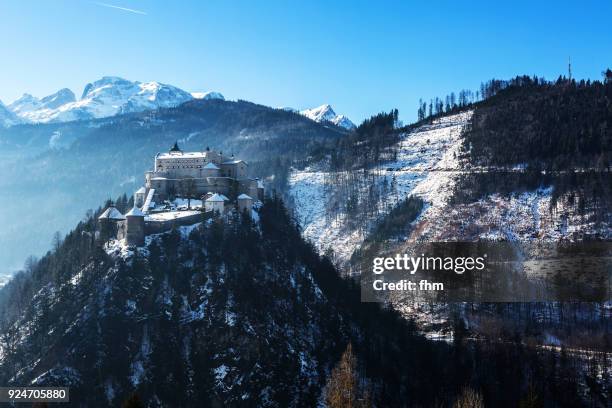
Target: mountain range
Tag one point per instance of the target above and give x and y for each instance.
(110, 96)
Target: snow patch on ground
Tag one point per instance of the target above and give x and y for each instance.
(74, 281)
(109, 390)
(137, 374)
(118, 247)
(220, 374)
(309, 190)
(526, 216)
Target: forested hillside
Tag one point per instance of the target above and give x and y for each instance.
(477, 170)
(531, 132)
(238, 311)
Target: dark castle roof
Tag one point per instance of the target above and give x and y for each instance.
(175, 148)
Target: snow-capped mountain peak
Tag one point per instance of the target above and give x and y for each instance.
(113, 95)
(320, 113)
(208, 95)
(61, 97)
(110, 96)
(325, 113)
(107, 84)
(31, 108)
(26, 103)
(344, 122)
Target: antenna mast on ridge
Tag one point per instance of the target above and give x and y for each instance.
(569, 68)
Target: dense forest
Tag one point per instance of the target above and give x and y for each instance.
(530, 132)
(368, 145)
(561, 125)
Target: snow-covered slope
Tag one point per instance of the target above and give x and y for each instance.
(27, 103)
(325, 113)
(344, 122)
(8, 118)
(424, 165)
(430, 165)
(61, 97)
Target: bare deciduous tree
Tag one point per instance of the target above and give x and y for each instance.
(469, 399)
(344, 387)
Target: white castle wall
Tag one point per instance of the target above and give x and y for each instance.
(228, 176)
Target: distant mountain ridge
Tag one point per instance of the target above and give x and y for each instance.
(29, 103)
(111, 95)
(108, 96)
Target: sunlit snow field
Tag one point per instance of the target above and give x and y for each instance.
(425, 166)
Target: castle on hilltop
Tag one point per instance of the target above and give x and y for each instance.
(197, 173)
(183, 188)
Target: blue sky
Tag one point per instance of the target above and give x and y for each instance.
(360, 56)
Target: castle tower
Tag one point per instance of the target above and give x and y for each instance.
(135, 227)
(216, 202)
(139, 197)
(108, 222)
(245, 202)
